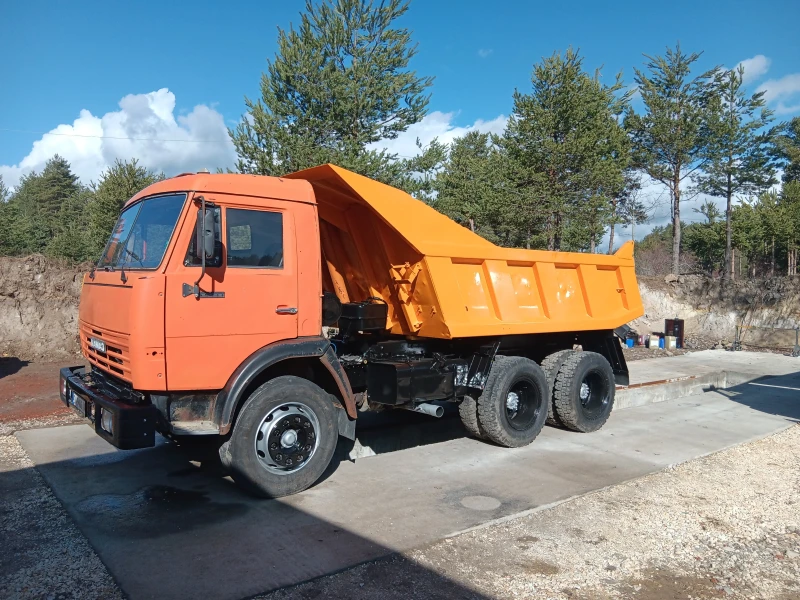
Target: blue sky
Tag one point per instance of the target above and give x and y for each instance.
(184, 68)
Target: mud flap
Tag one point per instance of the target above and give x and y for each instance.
(347, 426)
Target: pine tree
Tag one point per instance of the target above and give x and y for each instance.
(117, 184)
(5, 219)
(670, 138)
(567, 150)
(707, 240)
(738, 159)
(33, 210)
(787, 149)
(625, 206)
(70, 239)
(422, 170)
(468, 186)
(339, 83)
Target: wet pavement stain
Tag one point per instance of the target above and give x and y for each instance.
(155, 511)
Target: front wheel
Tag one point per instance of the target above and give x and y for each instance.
(284, 438)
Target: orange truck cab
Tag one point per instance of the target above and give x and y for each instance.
(264, 313)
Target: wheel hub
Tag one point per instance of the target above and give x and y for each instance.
(585, 391)
(512, 401)
(522, 405)
(287, 438)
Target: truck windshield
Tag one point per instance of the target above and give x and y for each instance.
(140, 237)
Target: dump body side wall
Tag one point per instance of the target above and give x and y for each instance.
(443, 281)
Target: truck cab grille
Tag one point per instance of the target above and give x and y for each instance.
(116, 359)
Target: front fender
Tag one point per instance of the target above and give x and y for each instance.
(305, 347)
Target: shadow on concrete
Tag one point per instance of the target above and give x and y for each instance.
(775, 395)
(395, 429)
(190, 533)
(10, 365)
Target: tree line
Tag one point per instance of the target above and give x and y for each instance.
(575, 161)
(52, 213)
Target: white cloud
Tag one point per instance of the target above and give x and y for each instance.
(485, 52)
(145, 128)
(436, 125)
(782, 92)
(754, 67)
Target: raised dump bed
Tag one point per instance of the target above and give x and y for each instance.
(443, 281)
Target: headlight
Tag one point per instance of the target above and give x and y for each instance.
(63, 389)
(107, 421)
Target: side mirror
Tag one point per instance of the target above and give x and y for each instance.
(205, 235)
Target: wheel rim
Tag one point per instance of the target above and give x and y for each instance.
(287, 438)
(593, 394)
(523, 405)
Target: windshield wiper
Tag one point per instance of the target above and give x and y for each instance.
(134, 256)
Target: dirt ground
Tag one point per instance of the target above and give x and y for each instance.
(29, 391)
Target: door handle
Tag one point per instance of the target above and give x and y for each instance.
(286, 310)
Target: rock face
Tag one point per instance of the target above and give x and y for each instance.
(711, 312)
(39, 307)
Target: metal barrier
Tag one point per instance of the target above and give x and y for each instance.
(740, 329)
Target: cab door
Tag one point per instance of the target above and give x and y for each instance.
(250, 300)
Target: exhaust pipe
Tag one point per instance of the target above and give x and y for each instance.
(433, 410)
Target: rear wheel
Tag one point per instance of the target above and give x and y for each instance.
(284, 438)
(551, 365)
(468, 411)
(584, 392)
(513, 406)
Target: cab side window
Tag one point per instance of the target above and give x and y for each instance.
(254, 238)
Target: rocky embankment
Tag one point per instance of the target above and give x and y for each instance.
(711, 312)
(39, 307)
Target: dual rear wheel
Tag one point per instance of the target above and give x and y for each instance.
(571, 389)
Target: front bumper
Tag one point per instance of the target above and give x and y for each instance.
(123, 424)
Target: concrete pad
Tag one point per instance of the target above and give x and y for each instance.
(168, 528)
(707, 362)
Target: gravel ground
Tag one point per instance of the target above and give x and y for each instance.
(44, 555)
(724, 526)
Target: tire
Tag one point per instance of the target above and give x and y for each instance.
(528, 383)
(551, 365)
(468, 410)
(573, 407)
(279, 424)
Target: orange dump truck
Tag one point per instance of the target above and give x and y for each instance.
(264, 313)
